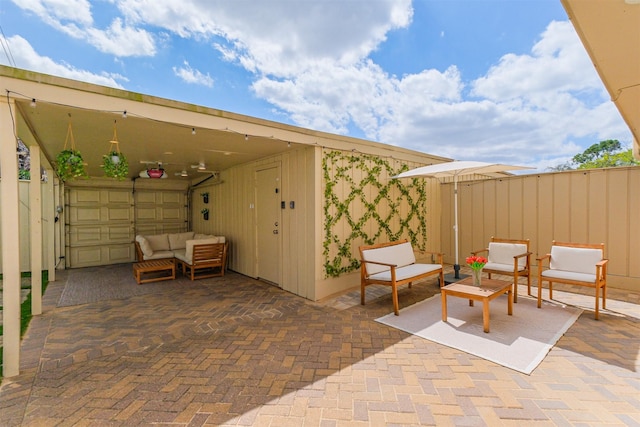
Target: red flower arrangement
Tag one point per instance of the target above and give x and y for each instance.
(476, 262)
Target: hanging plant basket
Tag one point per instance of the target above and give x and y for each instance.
(69, 165)
(115, 165)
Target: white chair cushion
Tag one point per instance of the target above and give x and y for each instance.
(146, 248)
(406, 272)
(503, 253)
(179, 240)
(579, 260)
(400, 255)
(569, 275)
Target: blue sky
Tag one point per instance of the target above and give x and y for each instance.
(492, 80)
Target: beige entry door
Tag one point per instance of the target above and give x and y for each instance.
(268, 220)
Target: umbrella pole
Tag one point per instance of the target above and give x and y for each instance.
(456, 266)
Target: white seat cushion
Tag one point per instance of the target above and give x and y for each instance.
(159, 255)
(569, 275)
(406, 272)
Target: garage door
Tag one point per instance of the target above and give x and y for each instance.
(101, 223)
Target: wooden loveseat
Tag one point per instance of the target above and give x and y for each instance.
(394, 264)
(580, 264)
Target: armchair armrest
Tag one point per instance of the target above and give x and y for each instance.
(541, 260)
(601, 268)
(474, 253)
(379, 263)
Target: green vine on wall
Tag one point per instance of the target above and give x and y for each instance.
(366, 195)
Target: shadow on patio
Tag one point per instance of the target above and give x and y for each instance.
(236, 351)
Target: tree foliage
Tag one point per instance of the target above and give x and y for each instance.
(605, 154)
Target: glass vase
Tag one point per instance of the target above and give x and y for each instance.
(477, 276)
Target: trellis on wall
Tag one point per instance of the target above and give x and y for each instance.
(363, 205)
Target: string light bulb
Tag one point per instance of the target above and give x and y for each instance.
(193, 131)
(33, 103)
(124, 114)
(246, 137)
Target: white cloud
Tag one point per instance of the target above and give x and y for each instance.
(189, 75)
(121, 40)
(279, 38)
(74, 18)
(26, 57)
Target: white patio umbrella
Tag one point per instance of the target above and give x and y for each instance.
(454, 170)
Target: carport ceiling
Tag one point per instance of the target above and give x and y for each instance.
(610, 32)
(141, 139)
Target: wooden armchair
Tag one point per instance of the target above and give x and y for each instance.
(510, 257)
(575, 264)
(209, 257)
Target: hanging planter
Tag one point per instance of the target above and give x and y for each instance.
(205, 214)
(114, 162)
(205, 197)
(69, 163)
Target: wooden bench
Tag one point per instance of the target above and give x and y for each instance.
(168, 266)
(580, 264)
(394, 264)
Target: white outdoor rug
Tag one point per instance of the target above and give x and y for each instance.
(519, 342)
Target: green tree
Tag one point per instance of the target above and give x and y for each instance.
(605, 154)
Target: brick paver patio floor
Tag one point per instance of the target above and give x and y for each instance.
(236, 351)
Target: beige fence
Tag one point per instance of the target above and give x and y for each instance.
(598, 205)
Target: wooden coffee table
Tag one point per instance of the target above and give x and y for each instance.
(166, 266)
(489, 290)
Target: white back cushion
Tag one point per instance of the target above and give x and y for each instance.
(503, 253)
(158, 242)
(146, 248)
(179, 240)
(579, 260)
(400, 255)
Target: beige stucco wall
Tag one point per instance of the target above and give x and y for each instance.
(589, 206)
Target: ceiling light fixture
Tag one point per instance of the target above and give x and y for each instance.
(184, 173)
(201, 166)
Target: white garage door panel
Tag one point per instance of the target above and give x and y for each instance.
(101, 223)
